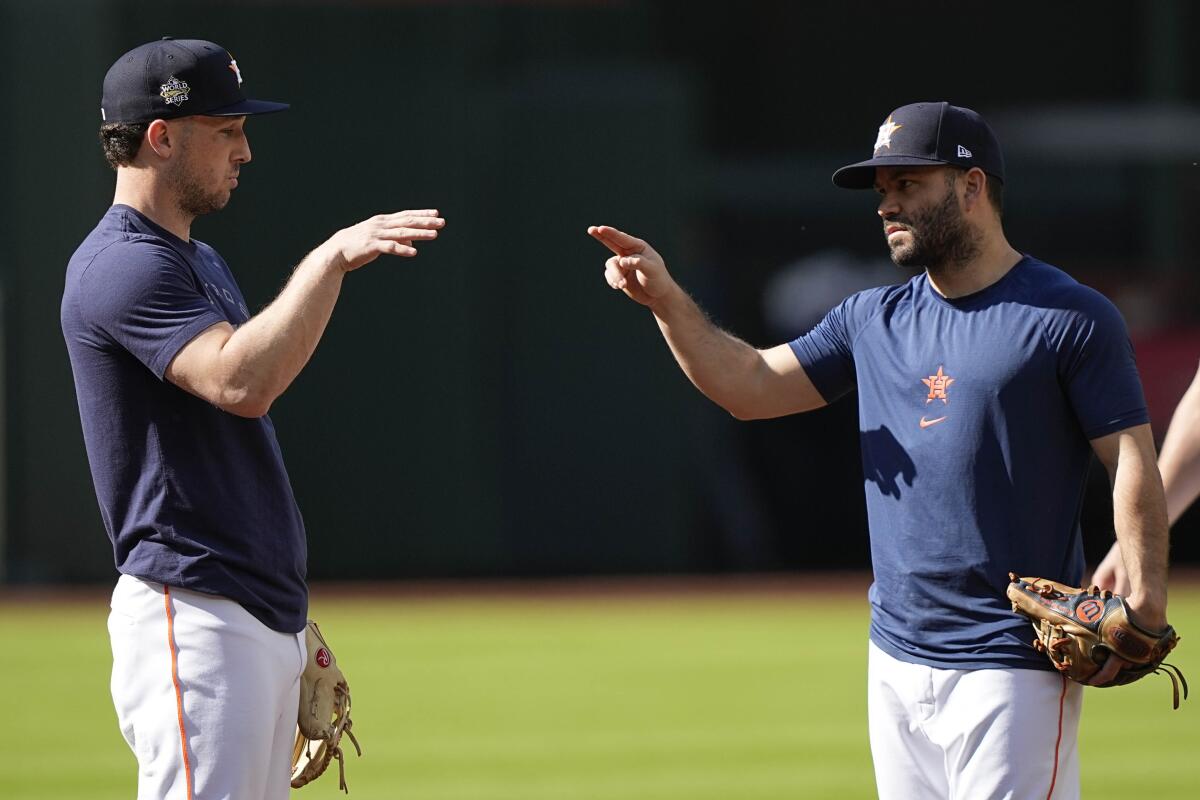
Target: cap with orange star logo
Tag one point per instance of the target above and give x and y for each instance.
(924, 135)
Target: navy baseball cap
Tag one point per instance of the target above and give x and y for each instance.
(925, 134)
(177, 78)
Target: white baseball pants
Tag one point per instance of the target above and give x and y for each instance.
(206, 695)
(984, 734)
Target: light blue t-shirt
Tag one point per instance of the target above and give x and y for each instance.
(975, 415)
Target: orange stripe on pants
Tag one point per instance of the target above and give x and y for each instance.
(1062, 699)
(187, 766)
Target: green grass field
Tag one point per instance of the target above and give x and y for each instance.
(690, 696)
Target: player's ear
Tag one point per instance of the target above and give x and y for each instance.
(160, 138)
(974, 187)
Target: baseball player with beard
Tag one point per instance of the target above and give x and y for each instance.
(985, 385)
(174, 378)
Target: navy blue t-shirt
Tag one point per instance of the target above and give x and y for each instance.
(975, 415)
(191, 496)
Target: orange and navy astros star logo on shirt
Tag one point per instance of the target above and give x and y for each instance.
(938, 383)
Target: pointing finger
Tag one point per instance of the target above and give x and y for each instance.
(617, 241)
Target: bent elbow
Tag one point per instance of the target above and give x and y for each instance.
(763, 408)
(746, 412)
(743, 414)
(244, 402)
(747, 404)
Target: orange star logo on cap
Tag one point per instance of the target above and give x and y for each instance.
(884, 139)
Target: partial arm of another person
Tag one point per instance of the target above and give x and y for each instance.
(747, 382)
(1179, 463)
(244, 370)
(1140, 520)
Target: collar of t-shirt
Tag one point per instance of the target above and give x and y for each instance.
(143, 224)
(984, 295)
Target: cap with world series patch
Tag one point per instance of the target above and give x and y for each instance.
(177, 78)
(927, 134)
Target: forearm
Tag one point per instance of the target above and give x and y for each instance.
(1140, 521)
(746, 382)
(1179, 461)
(264, 355)
(724, 368)
(244, 370)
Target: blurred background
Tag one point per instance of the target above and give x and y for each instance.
(492, 409)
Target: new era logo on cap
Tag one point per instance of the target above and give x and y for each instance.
(963, 152)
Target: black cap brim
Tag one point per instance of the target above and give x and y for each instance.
(247, 108)
(862, 174)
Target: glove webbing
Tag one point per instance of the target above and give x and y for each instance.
(1060, 641)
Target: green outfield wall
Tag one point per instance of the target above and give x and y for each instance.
(491, 408)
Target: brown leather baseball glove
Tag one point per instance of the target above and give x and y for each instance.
(324, 714)
(1078, 629)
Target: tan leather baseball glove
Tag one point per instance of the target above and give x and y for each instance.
(1078, 629)
(324, 714)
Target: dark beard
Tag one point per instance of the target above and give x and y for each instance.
(942, 240)
(192, 198)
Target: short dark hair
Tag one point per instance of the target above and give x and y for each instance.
(995, 193)
(121, 141)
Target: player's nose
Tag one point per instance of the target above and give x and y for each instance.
(243, 154)
(888, 207)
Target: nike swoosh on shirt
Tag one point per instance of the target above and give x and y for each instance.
(925, 423)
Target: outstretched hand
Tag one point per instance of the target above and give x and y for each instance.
(383, 234)
(635, 267)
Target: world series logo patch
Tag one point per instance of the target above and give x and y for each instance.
(174, 91)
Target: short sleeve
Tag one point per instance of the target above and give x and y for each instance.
(826, 354)
(143, 296)
(1097, 366)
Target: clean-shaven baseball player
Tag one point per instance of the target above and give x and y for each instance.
(174, 378)
(985, 384)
